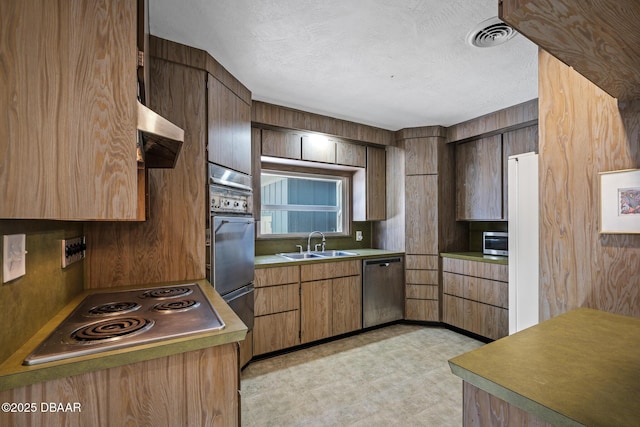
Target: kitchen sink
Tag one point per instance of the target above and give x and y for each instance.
(297, 256)
(334, 253)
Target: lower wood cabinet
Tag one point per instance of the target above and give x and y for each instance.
(476, 297)
(421, 289)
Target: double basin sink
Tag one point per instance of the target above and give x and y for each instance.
(297, 256)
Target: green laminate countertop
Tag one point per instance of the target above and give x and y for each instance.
(476, 256)
(13, 374)
(264, 261)
(579, 368)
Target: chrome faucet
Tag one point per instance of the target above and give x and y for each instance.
(309, 240)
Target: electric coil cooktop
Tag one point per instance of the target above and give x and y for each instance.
(113, 320)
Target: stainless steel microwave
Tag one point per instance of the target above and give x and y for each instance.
(495, 243)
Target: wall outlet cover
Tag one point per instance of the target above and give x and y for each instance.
(358, 236)
(13, 256)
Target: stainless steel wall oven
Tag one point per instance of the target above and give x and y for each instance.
(231, 239)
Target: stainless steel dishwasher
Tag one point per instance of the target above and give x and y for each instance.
(382, 291)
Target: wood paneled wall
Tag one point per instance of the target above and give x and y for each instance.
(170, 245)
(276, 115)
(583, 131)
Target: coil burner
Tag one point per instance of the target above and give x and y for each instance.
(113, 320)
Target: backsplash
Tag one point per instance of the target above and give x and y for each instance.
(477, 227)
(30, 301)
(273, 246)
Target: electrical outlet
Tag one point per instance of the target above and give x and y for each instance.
(358, 236)
(13, 256)
(73, 250)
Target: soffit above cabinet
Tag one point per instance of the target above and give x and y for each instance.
(600, 40)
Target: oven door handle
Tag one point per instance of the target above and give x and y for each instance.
(225, 221)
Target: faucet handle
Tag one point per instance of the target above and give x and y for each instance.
(299, 246)
(315, 248)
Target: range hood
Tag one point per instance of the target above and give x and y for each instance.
(161, 140)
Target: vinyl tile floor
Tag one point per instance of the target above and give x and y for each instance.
(393, 376)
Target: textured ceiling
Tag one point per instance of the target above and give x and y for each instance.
(387, 63)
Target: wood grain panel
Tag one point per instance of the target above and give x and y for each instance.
(599, 39)
(453, 311)
(422, 310)
(493, 292)
(351, 154)
(276, 331)
(315, 310)
(390, 234)
(376, 184)
(277, 143)
(422, 262)
(173, 390)
(422, 277)
(421, 132)
(521, 115)
(481, 409)
(454, 265)
(276, 115)
(256, 170)
(329, 270)
(413, 291)
(583, 131)
(274, 299)
(421, 156)
(421, 214)
(246, 349)
(69, 110)
(479, 179)
(276, 276)
(124, 253)
(453, 284)
(346, 305)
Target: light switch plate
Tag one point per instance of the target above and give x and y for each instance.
(13, 256)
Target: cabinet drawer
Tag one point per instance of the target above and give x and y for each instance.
(454, 265)
(421, 291)
(422, 262)
(422, 309)
(422, 277)
(275, 299)
(276, 331)
(328, 270)
(493, 292)
(453, 284)
(453, 311)
(276, 276)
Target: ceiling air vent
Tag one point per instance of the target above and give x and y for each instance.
(489, 33)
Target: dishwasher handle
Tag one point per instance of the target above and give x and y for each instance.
(383, 262)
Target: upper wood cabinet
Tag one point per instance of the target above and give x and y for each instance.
(276, 143)
(519, 141)
(229, 128)
(351, 154)
(318, 148)
(369, 188)
(599, 39)
(479, 179)
(68, 112)
(420, 157)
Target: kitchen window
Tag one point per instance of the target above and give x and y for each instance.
(297, 203)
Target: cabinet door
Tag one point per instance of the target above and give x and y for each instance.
(276, 331)
(68, 111)
(516, 142)
(351, 154)
(315, 311)
(479, 179)
(229, 128)
(376, 184)
(421, 157)
(277, 143)
(347, 304)
(318, 148)
(421, 213)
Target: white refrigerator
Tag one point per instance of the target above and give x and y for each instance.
(523, 241)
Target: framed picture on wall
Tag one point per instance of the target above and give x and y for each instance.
(620, 202)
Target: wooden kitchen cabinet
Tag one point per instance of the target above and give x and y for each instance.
(421, 288)
(476, 296)
(285, 144)
(277, 309)
(229, 142)
(421, 205)
(351, 154)
(318, 148)
(479, 179)
(68, 118)
(331, 299)
(369, 188)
